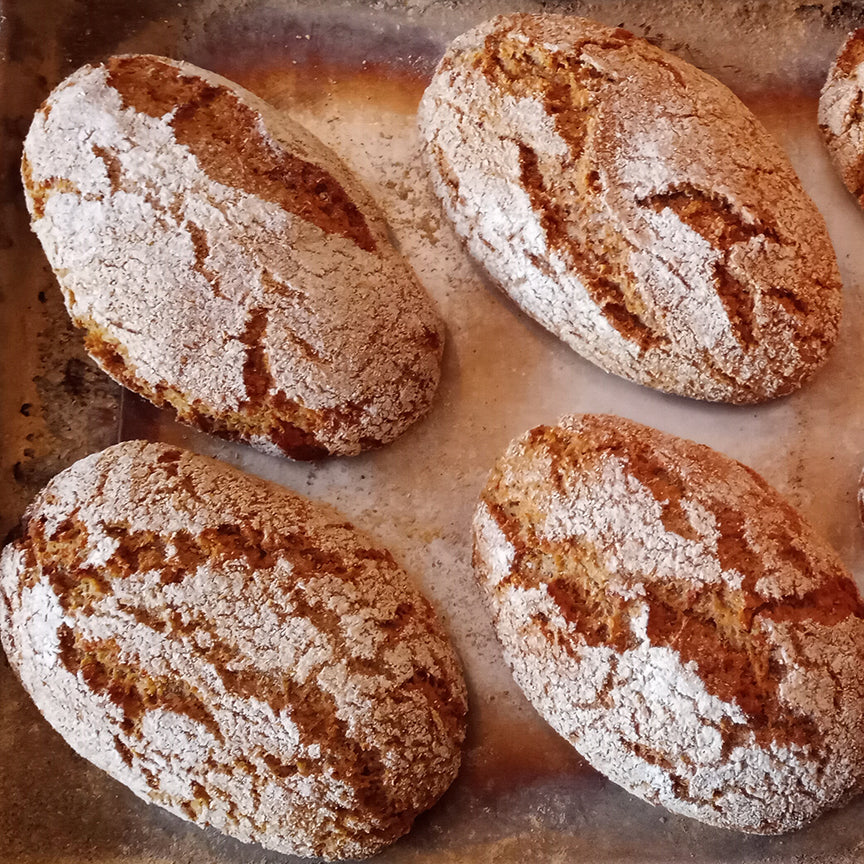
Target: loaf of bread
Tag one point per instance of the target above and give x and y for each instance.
(222, 261)
(840, 113)
(677, 621)
(232, 652)
(633, 206)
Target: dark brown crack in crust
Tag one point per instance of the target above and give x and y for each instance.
(565, 85)
(712, 217)
(225, 138)
(778, 628)
(851, 53)
(40, 191)
(162, 623)
(294, 429)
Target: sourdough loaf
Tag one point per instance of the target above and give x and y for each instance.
(222, 261)
(677, 621)
(840, 113)
(232, 652)
(633, 206)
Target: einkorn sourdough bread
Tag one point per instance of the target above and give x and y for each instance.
(232, 652)
(677, 621)
(841, 118)
(223, 261)
(633, 206)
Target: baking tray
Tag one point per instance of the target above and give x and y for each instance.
(353, 73)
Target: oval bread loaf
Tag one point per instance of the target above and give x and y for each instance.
(677, 621)
(840, 114)
(633, 206)
(232, 652)
(222, 261)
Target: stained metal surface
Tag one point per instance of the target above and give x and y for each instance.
(353, 73)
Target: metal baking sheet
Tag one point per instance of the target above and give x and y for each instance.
(353, 73)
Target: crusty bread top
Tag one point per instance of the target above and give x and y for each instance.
(677, 620)
(214, 248)
(840, 113)
(632, 205)
(232, 651)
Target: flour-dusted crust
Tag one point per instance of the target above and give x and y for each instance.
(633, 206)
(223, 261)
(861, 497)
(841, 117)
(232, 652)
(677, 621)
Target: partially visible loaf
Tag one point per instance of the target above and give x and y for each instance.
(861, 496)
(222, 261)
(840, 113)
(633, 206)
(677, 621)
(232, 652)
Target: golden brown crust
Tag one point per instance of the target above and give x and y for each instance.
(841, 117)
(676, 620)
(232, 652)
(633, 206)
(222, 261)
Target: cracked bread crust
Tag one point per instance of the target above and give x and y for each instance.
(840, 113)
(232, 652)
(677, 621)
(633, 206)
(223, 262)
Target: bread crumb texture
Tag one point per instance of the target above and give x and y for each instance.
(633, 206)
(232, 652)
(677, 621)
(841, 118)
(222, 261)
